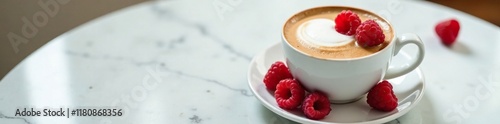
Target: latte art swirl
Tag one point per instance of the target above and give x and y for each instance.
(321, 33)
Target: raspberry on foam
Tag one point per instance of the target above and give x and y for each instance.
(347, 22)
(369, 34)
(289, 94)
(316, 106)
(381, 97)
(277, 72)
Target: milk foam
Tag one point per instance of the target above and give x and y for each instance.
(321, 32)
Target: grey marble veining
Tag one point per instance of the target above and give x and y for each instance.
(167, 15)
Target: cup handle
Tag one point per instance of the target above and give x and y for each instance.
(400, 42)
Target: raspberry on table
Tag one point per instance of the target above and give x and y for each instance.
(369, 34)
(289, 94)
(277, 72)
(347, 22)
(447, 31)
(316, 106)
(381, 97)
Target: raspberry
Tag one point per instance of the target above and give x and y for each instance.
(381, 97)
(447, 31)
(369, 34)
(346, 22)
(316, 106)
(289, 94)
(277, 72)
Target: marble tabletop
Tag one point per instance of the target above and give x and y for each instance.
(186, 62)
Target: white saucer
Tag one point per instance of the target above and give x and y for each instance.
(408, 88)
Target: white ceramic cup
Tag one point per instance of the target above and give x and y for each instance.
(347, 80)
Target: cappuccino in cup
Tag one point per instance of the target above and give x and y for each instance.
(324, 60)
(313, 33)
